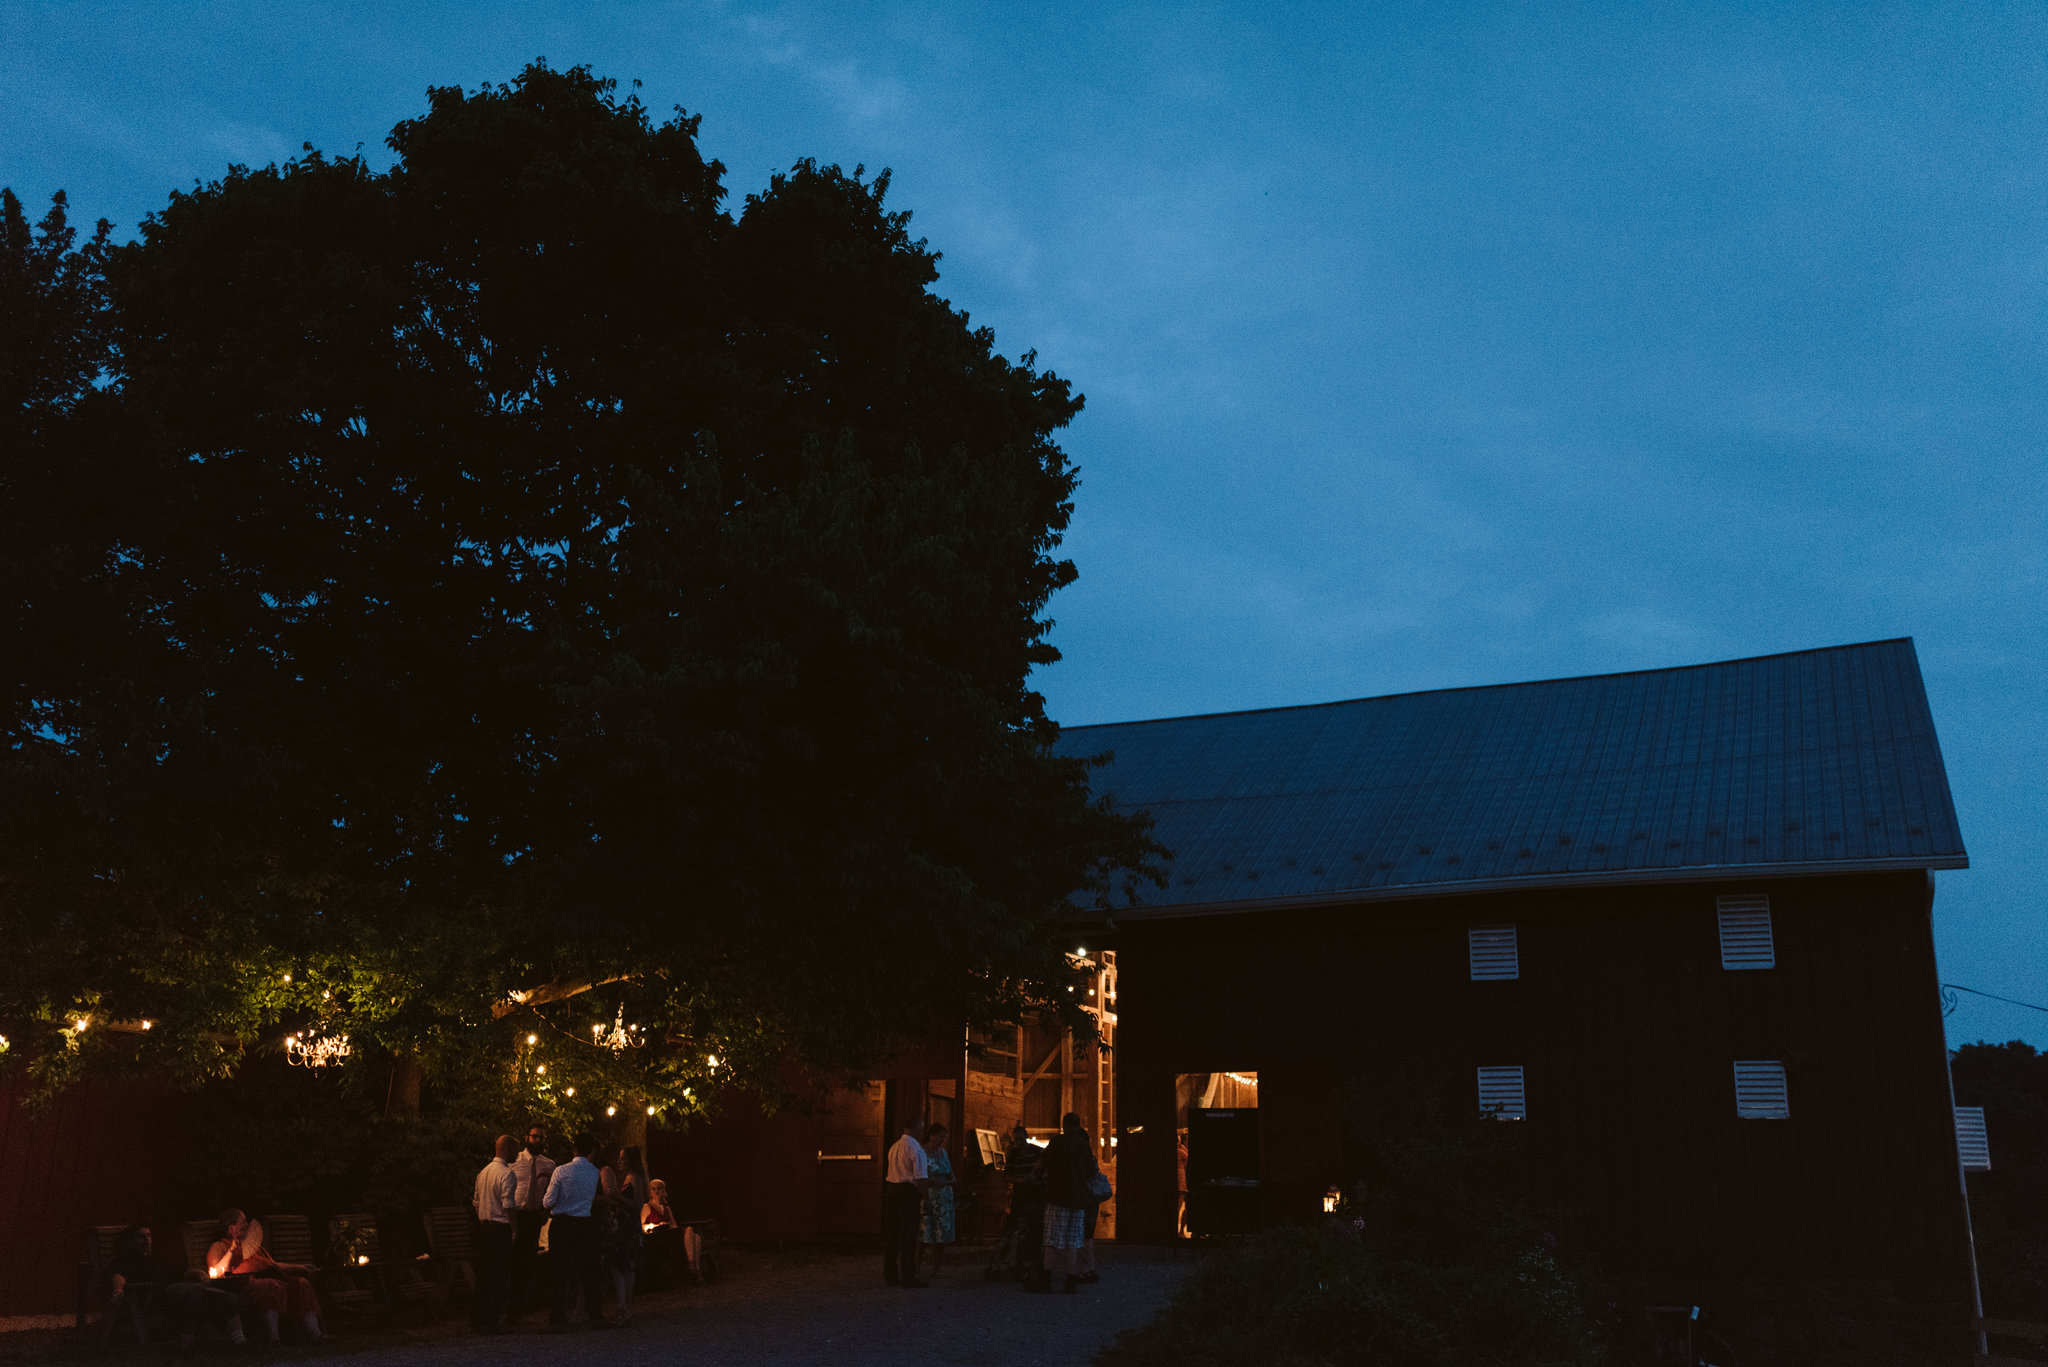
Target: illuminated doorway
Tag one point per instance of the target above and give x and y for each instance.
(1217, 1152)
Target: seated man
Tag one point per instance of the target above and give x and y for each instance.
(134, 1277)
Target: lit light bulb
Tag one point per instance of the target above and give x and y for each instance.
(287, 977)
(650, 1110)
(326, 995)
(533, 1039)
(540, 1068)
(81, 1023)
(149, 1025)
(611, 1110)
(597, 1029)
(572, 1091)
(712, 1059)
(1081, 953)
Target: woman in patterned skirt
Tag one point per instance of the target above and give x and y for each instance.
(936, 1229)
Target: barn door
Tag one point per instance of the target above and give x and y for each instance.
(850, 1156)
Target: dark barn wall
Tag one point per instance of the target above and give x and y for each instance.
(1628, 1028)
(101, 1155)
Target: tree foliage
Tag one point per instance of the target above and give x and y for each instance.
(2009, 1204)
(513, 570)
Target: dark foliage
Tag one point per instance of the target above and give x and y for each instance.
(514, 569)
(2009, 1204)
(1436, 1259)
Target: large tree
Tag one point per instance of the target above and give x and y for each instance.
(545, 599)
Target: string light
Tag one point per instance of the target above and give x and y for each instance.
(611, 1110)
(540, 1068)
(650, 1110)
(287, 977)
(80, 1024)
(572, 1091)
(149, 1025)
(533, 1039)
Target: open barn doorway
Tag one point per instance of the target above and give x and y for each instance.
(1217, 1139)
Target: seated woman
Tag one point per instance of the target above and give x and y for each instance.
(663, 1231)
(273, 1287)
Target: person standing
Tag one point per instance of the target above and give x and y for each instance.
(1069, 1165)
(531, 1171)
(938, 1222)
(627, 1189)
(572, 1236)
(902, 1199)
(494, 1199)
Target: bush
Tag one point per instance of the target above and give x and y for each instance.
(1436, 1260)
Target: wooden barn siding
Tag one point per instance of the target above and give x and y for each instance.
(100, 1156)
(1628, 1028)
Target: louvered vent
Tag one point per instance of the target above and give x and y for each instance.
(1973, 1146)
(1760, 1090)
(1746, 933)
(1495, 954)
(1501, 1093)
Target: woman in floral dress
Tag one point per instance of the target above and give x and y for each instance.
(937, 1228)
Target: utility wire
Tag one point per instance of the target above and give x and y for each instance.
(2010, 1001)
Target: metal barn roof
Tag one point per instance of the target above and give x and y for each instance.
(1816, 761)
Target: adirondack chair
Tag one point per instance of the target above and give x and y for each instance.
(451, 1238)
(290, 1240)
(400, 1283)
(197, 1237)
(95, 1287)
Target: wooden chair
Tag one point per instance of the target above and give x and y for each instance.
(197, 1237)
(95, 1271)
(451, 1238)
(290, 1240)
(399, 1283)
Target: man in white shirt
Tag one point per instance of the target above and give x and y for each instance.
(497, 1188)
(572, 1236)
(531, 1171)
(902, 1202)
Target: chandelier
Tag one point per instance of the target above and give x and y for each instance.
(316, 1051)
(620, 1037)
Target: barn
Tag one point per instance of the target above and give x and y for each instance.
(1675, 924)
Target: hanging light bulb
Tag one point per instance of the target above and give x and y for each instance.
(533, 1039)
(287, 977)
(611, 1110)
(571, 1091)
(540, 1068)
(650, 1110)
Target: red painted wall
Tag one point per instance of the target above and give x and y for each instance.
(98, 1157)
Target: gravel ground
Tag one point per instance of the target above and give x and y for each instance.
(832, 1310)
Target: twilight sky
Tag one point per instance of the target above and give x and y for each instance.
(1423, 345)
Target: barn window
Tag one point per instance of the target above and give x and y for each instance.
(1495, 954)
(1973, 1146)
(1746, 933)
(1760, 1090)
(1501, 1093)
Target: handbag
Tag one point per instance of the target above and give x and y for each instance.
(1099, 1187)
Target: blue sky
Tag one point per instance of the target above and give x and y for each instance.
(1423, 345)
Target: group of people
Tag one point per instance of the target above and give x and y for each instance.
(1056, 1196)
(243, 1282)
(590, 1220)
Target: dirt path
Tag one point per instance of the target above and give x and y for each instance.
(833, 1311)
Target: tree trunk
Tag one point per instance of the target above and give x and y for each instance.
(402, 1101)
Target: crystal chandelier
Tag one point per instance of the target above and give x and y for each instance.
(316, 1051)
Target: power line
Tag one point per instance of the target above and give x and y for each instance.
(1950, 1002)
